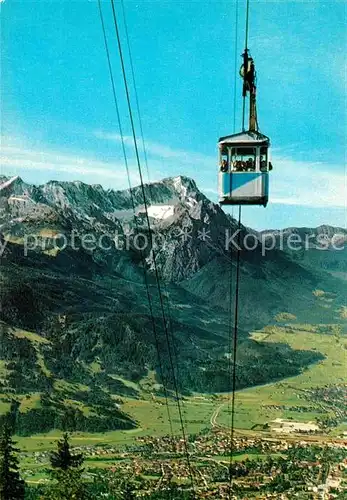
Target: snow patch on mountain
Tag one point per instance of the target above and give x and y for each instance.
(161, 211)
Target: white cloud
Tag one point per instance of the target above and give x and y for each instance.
(20, 158)
(210, 191)
(313, 184)
(161, 151)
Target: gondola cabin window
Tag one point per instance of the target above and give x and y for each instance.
(263, 160)
(243, 159)
(224, 160)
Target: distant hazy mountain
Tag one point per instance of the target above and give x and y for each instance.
(323, 247)
(322, 237)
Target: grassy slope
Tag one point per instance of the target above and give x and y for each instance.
(252, 405)
(151, 411)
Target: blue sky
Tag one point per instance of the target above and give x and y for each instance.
(58, 119)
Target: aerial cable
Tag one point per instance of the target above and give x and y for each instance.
(243, 114)
(237, 292)
(246, 49)
(230, 361)
(151, 239)
(145, 156)
(134, 211)
(135, 91)
(107, 50)
(247, 25)
(169, 319)
(235, 343)
(230, 342)
(235, 60)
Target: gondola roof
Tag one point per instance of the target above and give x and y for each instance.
(248, 137)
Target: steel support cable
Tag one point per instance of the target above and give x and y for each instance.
(175, 352)
(134, 211)
(236, 59)
(230, 358)
(145, 156)
(243, 113)
(235, 345)
(107, 50)
(245, 69)
(230, 373)
(247, 25)
(150, 236)
(135, 90)
(237, 291)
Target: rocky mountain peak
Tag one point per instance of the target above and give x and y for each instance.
(184, 185)
(12, 185)
(191, 229)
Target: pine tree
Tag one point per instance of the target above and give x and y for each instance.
(67, 473)
(63, 458)
(12, 487)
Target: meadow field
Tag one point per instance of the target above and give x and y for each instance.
(255, 408)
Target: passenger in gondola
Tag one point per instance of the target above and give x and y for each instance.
(224, 166)
(262, 164)
(238, 166)
(249, 165)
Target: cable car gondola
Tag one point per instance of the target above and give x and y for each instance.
(244, 161)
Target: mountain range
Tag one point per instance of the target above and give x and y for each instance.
(93, 286)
